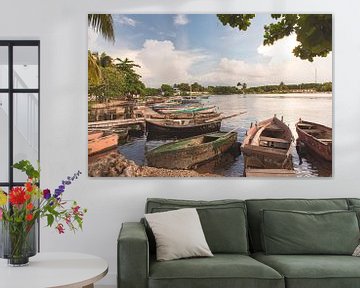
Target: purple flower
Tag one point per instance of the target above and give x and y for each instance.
(68, 181)
(46, 194)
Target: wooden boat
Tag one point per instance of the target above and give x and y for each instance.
(92, 135)
(316, 137)
(190, 99)
(267, 146)
(204, 116)
(181, 128)
(102, 144)
(190, 110)
(187, 153)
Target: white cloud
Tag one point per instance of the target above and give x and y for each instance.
(278, 63)
(161, 63)
(124, 20)
(181, 19)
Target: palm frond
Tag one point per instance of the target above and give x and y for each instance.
(103, 24)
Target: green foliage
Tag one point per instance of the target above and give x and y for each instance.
(183, 87)
(313, 31)
(295, 88)
(133, 85)
(167, 90)
(241, 21)
(94, 72)
(111, 85)
(26, 167)
(223, 90)
(103, 24)
(109, 78)
(196, 87)
(151, 91)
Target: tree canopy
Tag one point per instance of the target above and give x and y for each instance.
(313, 31)
(113, 78)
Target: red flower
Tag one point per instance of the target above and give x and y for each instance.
(27, 196)
(29, 186)
(29, 217)
(17, 196)
(60, 228)
(29, 206)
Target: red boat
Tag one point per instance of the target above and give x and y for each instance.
(316, 137)
(102, 143)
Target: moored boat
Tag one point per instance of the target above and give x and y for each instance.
(187, 153)
(267, 146)
(188, 110)
(316, 137)
(190, 99)
(181, 128)
(205, 116)
(102, 144)
(92, 135)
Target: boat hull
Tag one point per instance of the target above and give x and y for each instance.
(158, 130)
(317, 144)
(190, 152)
(275, 154)
(102, 144)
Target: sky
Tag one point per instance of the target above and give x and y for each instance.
(198, 48)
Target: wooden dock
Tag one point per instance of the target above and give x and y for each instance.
(269, 173)
(116, 123)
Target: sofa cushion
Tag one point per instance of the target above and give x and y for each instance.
(297, 232)
(313, 271)
(222, 270)
(178, 234)
(353, 201)
(356, 209)
(255, 206)
(223, 221)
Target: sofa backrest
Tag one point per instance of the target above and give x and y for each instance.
(255, 206)
(223, 221)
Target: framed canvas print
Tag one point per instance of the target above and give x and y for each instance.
(210, 95)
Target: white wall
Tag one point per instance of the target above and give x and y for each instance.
(61, 25)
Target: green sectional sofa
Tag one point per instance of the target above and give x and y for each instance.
(238, 234)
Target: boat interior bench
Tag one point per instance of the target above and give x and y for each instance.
(314, 131)
(274, 142)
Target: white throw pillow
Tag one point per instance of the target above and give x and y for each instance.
(178, 234)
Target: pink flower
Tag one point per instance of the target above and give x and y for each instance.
(1, 214)
(60, 228)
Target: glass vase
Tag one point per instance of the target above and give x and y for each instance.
(18, 242)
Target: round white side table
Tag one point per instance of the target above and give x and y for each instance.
(50, 270)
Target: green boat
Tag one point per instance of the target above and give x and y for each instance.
(188, 153)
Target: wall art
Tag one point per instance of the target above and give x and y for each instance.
(210, 95)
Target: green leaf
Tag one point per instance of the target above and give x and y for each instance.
(50, 219)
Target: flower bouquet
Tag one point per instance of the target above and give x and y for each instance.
(21, 208)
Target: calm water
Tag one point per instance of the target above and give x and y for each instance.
(311, 107)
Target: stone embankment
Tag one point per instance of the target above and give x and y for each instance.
(116, 165)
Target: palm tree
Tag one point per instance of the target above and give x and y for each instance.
(103, 24)
(132, 79)
(105, 60)
(94, 71)
(126, 65)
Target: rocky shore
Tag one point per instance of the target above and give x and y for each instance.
(116, 165)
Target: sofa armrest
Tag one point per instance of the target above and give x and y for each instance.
(133, 256)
